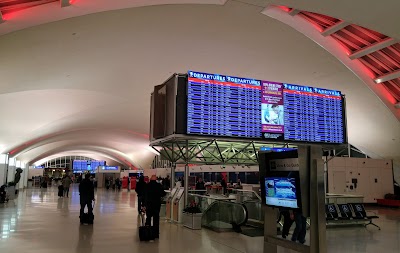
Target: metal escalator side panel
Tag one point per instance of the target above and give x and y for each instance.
(220, 215)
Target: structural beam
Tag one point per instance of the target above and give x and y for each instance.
(336, 27)
(65, 3)
(294, 12)
(388, 77)
(373, 48)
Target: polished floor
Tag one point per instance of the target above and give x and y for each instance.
(39, 222)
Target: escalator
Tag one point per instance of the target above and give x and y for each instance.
(223, 216)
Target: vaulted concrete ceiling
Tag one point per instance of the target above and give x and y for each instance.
(85, 80)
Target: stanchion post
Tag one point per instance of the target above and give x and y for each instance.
(173, 167)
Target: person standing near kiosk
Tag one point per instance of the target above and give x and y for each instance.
(153, 195)
(299, 233)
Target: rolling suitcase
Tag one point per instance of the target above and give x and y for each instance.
(60, 191)
(145, 232)
(87, 218)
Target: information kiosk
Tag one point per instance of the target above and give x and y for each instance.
(178, 203)
(169, 203)
(294, 180)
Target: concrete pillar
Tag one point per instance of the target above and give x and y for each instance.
(26, 175)
(11, 173)
(100, 180)
(3, 171)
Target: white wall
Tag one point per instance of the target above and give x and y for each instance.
(396, 172)
(34, 172)
(125, 173)
(374, 177)
(3, 170)
(11, 173)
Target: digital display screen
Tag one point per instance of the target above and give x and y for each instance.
(223, 106)
(109, 168)
(80, 166)
(276, 149)
(281, 192)
(220, 105)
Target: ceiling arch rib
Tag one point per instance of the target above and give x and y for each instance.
(112, 154)
(36, 12)
(378, 53)
(82, 155)
(88, 134)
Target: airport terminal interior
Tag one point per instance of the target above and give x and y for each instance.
(270, 126)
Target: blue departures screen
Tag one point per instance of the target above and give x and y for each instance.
(80, 166)
(223, 106)
(229, 106)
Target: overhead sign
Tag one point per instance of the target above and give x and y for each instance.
(220, 105)
(109, 169)
(288, 164)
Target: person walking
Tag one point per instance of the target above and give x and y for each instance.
(167, 183)
(86, 192)
(66, 182)
(154, 193)
(200, 187)
(288, 219)
(224, 185)
(299, 233)
(140, 191)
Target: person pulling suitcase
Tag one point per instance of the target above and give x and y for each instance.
(86, 192)
(145, 231)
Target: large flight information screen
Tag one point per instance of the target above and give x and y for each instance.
(301, 113)
(220, 105)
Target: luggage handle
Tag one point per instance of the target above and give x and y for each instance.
(143, 219)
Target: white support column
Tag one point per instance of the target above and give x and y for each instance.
(173, 167)
(11, 169)
(26, 175)
(3, 170)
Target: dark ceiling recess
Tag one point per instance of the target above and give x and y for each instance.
(8, 6)
(379, 53)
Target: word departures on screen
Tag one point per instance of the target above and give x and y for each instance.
(220, 105)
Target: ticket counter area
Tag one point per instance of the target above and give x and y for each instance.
(178, 205)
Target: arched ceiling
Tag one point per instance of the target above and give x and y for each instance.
(79, 153)
(84, 82)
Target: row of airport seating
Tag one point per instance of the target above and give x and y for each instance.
(348, 214)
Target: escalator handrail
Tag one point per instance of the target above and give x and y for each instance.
(255, 193)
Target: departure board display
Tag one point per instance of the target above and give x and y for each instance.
(219, 105)
(80, 166)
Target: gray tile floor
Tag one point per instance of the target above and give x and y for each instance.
(38, 221)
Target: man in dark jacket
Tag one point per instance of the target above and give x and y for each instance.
(140, 191)
(154, 193)
(86, 192)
